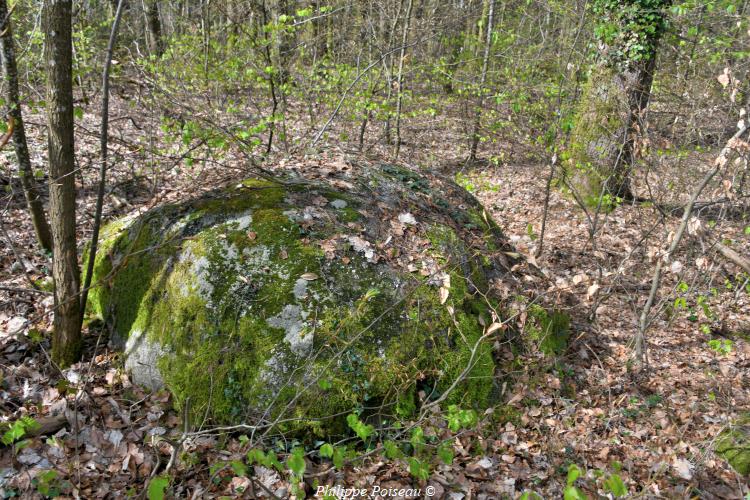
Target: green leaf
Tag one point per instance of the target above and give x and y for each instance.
(256, 456)
(419, 470)
(616, 486)
(324, 384)
(296, 461)
(392, 451)
(445, 452)
(362, 430)
(574, 472)
(157, 487)
(78, 113)
(239, 468)
(417, 438)
(326, 451)
(530, 495)
(573, 493)
(338, 458)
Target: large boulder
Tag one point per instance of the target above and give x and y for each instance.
(298, 301)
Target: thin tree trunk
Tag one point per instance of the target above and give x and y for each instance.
(482, 80)
(104, 153)
(66, 340)
(156, 44)
(400, 79)
(15, 117)
(388, 67)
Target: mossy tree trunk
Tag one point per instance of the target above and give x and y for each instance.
(611, 115)
(25, 172)
(66, 340)
(609, 124)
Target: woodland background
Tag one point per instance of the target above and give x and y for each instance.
(492, 93)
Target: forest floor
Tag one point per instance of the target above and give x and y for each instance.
(654, 428)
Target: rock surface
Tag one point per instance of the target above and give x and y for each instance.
(295, 302)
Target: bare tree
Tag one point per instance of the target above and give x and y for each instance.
(15, 119)
(66, 340)
(400, 77)
(482, 81)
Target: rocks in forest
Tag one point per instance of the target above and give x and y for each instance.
(294, 302)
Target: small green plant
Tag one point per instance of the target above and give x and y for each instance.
(392, 450)
(296, 464)
(720, 346)
(17, 430)
(48, 485)
(615, 485)
(445, 452)
(268, 460)
(571, 492)
(362, 430)
(335, 453)
(419, 469)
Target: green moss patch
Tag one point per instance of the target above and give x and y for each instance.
(734, 446)
(548, 330)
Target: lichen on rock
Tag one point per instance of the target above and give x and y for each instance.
(291, 303)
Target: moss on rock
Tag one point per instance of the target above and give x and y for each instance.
(231, 302)
(734, 446)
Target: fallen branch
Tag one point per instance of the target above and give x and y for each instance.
(733, 256)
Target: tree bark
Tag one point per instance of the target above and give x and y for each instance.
(66, 339)
(611, 114)
(156, 44)
(25, 172)
(610, 121)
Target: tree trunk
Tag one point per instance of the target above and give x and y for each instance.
(482, 80)
(66, 340)
(156, 44)
(609, 123)
(611, 115)
(400, 78)
(25, 172)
